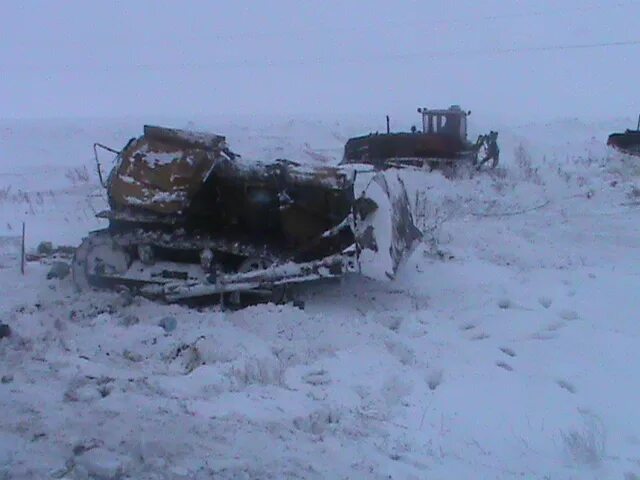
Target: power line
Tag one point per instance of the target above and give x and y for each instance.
(430, 23)
(319, 61)
(545, 48)
(572, 11)
(489, 51)
(354, 59)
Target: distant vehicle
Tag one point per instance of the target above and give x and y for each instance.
(627, 142)
(442, 144)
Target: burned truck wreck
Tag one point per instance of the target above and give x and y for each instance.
(189, 218)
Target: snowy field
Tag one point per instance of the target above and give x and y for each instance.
(508, 347)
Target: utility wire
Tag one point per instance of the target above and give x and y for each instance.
(428, 24)
(494, 51)
(361, 59)
(318, 61)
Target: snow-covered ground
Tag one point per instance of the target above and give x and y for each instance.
(508, 347)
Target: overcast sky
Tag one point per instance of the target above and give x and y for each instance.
(136, 57)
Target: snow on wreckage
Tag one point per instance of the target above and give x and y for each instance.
(189, 218)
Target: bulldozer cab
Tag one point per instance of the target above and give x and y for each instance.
(451, 122)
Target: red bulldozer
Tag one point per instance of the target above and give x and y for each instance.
(442, 144)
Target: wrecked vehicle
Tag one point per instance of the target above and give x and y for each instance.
(627, 142)
(189, 218)
(442, 144)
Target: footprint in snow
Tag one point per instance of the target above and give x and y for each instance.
(434, 379)
(554, 326)
(508, 351)
(569, 315)
(468, 326)
(480, 336)
(504, 303)
(402, 352)
(545, 301)
(505, 366)
(543, 336)
(569, 387)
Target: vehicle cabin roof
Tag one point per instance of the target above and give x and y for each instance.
(426, 111)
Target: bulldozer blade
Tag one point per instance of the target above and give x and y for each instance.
(628, 142)
(384, 229)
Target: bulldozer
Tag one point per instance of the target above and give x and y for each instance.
(627, 142)
(441, 145)
(188, 218)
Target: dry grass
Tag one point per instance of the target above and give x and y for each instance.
(78, 175)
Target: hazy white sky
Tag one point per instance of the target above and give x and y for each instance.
(137, 57)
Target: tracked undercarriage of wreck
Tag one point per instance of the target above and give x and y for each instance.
(189, 218)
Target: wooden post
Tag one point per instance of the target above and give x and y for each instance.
(388, 130)
(22, 255)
